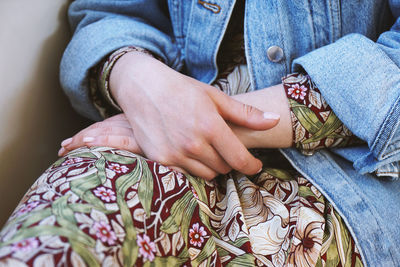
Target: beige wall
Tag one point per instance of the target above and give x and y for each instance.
(34, 113)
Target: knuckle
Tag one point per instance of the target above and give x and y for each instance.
(105, 140)
(193, 147)
(207, 128)
(166, 158)
(125, 142)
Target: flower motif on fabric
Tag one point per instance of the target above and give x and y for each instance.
(115, 168)
(196, 234)
(72, 161)
(25, 245)
(105, 194)
(297, 91)
(104, 232)
(308, 238)
(196, 196)
(28, 207)
(147, 248)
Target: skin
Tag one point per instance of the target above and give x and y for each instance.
(180, 122)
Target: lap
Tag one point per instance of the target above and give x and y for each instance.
(110, 207)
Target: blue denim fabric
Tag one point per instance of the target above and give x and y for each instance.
(347, 47)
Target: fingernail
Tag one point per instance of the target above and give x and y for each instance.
(88, 139)
(271, 116)
(260, 170)
(66, 142)
(61, 152)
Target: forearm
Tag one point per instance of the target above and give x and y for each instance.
(271, 99)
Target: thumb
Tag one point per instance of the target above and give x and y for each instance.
(242, 114)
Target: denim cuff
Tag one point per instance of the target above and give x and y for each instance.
(370, 109)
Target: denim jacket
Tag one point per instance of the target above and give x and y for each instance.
(351, 50)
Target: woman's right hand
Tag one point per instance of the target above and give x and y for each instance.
(179, 121)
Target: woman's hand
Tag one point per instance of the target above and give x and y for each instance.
(179, 121)
(114, 132)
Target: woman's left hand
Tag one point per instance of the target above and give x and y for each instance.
(114, 132)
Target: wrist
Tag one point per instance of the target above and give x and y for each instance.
(128, 70)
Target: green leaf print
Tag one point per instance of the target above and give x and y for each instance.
(205, 253)
(242, 260)
(305, 192)
(358, 263)
(82, 187)
(89, 155)
(129, 246)
(345, 247)
(43, 230)
(85, 254)
(145, 189)
(205, 219)
(279, 173)
(64, 215)
(306, 116)
(330, 125)
(166, 261)
(35, 215)
(186, 218)
(100, 165)
(120, 159)
(199, 186)
(177, 213)
(66, 219)
(169, 226)
(332, 256)
(83, 208)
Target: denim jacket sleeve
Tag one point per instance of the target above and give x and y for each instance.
(360, 80)
(101, 27)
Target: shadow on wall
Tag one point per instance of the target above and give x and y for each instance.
(43, 119)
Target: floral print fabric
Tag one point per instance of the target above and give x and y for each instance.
(315, 125)
(108, 207)
(99, 79)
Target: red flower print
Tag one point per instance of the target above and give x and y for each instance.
(196, 196)
(27, 207)
(118, 168)
(25, 245)
(105, 194)
(72, 161)
(104, 232)
(196, 234)
(146, 247)
(297, 91)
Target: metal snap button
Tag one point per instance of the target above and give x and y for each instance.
(275, 53)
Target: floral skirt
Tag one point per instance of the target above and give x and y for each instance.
(108, 207)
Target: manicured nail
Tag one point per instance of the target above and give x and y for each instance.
(66, 142)
(61, 151)
(271, 116)
(88, 139)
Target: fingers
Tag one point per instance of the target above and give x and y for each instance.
(233, 151)
(242, 114)
(114, 132)
(198, 169)
(122, 142)
(205, 153)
